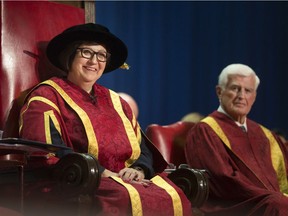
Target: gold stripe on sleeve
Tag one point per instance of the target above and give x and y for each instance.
(47, 127)
(136, 204)
(47, 116)
(37, 98)
(176, 200)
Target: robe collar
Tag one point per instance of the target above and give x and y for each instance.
(221, 110)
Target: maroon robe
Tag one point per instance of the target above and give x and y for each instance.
(242, 179)
(104, 128)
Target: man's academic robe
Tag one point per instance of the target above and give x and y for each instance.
(243, 180)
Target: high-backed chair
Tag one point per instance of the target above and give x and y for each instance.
(170, 140)
(26, 28)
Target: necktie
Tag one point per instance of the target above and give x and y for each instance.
(243, 128)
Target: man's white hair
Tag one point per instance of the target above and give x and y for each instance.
(237, 69)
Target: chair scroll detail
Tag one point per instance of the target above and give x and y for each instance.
(73, 179)
(77, 173)
(193, 182)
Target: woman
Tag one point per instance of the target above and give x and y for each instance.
(77, 112)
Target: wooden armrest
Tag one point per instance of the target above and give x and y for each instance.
(193, 182)
(70, 182)
(77, 174)
(12, 158)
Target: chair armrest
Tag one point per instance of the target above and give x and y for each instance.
(76, 174)
(194, 183)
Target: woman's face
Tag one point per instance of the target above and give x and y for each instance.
(88, 65)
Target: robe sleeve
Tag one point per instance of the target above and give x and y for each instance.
(40, 120)
(38, 115)
(145, 161)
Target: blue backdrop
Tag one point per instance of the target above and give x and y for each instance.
(177, 49)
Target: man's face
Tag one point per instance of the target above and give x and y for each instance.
(238, 96)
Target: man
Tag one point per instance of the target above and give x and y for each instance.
(246, 162)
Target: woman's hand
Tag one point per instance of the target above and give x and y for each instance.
(134, 176)
(108, 173)
(130, 174)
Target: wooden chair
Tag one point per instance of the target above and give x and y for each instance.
(26, 28)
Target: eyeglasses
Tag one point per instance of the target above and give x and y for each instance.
(101, 56)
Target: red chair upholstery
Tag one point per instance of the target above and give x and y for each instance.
(26, 26)
(170, 140)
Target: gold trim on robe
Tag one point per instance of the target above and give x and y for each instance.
(133, 137)
(37, 98)
(277, 160)
(277, 157)
(217, 129)
(47, 116)
(135, 199)
(135, 144)
(176, 200)
(92, 140)
(134, 140)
